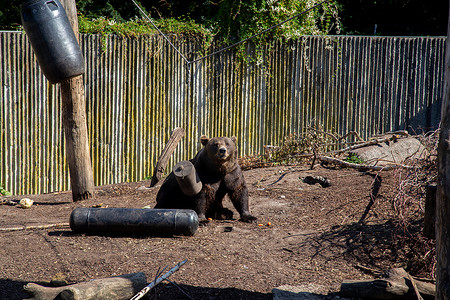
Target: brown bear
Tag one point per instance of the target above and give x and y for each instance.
(218, 169)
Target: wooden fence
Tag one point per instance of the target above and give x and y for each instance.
(139, 89)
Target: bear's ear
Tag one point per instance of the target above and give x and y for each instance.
(204, 140)
(233, 138)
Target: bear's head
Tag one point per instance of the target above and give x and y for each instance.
(221, 151)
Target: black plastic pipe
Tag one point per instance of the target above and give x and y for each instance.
(134, 221)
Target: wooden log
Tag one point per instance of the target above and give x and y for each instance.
(429, 221)
(374, 289)
(112, 288)
(171, 144)
(75, 128)
(397, 284)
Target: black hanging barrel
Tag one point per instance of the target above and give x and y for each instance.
(52, 38)
(128, 221)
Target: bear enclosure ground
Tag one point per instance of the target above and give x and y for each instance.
(316, 238)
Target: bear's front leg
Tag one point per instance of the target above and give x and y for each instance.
(217, 211)
(239, 197)
(200, 208)
(203, 202)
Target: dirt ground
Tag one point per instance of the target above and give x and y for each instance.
(314, 239)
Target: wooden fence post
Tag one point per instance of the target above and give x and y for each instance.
(75, 128)
(443, 192)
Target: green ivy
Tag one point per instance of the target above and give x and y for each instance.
(138, 27)
(355, 159)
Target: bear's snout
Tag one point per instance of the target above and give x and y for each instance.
(223, 152)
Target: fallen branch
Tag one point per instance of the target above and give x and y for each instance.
(370, 271)
(361, 167)
(157, 281)
(354, 133)
(416, 289)
(323, 132)
(172, 143)
(29, 227)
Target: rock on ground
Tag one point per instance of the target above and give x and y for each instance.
(396, 151)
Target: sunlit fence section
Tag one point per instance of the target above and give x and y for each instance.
(139, 89)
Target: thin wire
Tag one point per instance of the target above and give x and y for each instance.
(231, 46)
(160, 32)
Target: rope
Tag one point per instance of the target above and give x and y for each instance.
(231, 46)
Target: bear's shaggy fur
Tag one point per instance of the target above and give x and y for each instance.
(217, 166)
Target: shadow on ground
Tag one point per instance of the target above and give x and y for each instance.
(13, 290)
(181, 291)
(375, 245)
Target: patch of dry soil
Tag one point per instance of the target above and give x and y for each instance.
(314, 237)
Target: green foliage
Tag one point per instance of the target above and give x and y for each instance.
(10, 15)
(234, 20)
(355, 159)
(4, 192)
(229, 20)
(240, 20)
(138, 27)
(134, 28)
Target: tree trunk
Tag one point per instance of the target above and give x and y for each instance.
(75, 128)
(443, 192)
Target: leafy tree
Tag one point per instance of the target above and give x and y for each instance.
(241, 19)
(237, 19)
(232, 19)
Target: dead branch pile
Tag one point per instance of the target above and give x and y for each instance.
(319, 146)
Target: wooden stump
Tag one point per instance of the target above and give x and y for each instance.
(171, 144)
(187, 178)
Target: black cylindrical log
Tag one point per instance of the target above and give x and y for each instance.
(129, 221)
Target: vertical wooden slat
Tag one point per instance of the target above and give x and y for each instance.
(138, 90)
